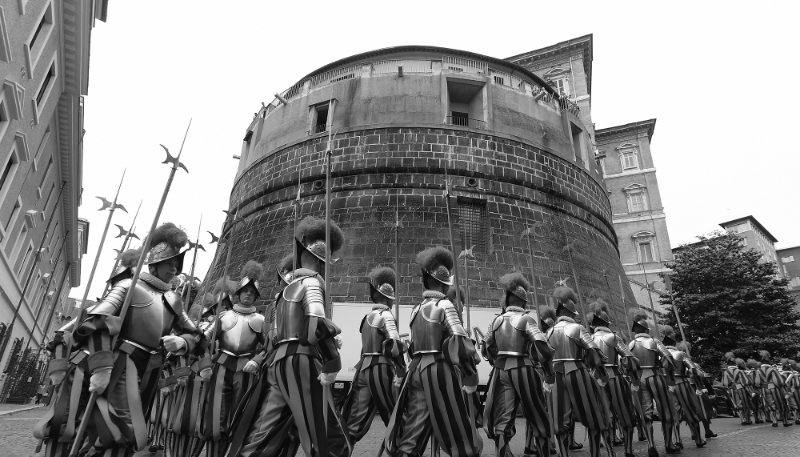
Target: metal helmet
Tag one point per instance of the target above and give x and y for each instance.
(127, 263)
(167, 242)
(383, 280)
(436, 263)
(251, 273)
(515, 284)
(639, 318)
(310, 236)
(565, 297)
(285, 269)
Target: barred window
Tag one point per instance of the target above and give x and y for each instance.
(473, 224)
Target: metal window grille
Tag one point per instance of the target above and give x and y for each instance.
(473, 225)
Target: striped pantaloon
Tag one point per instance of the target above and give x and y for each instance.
(507, 389)
(371, 393)
(431, 401)
(576, 395)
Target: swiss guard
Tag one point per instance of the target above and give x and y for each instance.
(237, 332)
(512, 340)
(617, 394)
(68, 372)
(382, 365)
(653, 356)
(575, 392)
(296, 387)
(772, 384)
(430, 398)
(686, 399)
(126, 375)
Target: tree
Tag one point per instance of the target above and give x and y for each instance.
(730, 300)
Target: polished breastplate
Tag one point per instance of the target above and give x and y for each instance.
(427, 330)
(510, 336)
(149, 318)
(645, 350)
(372, 333)
(564, 338)
(607, 344)
(239, 332)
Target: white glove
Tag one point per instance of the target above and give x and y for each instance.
(205, 374)
(251, 367)
(634, 388)
(469, 389)
(338, 340)
(601, 383)
(57, 376)
(698, 392)
(671, 389)
(173, 343)
(547, 387)
(164, 391)
(327, 379)
(99, 380)
(705, 391)
(398, 381)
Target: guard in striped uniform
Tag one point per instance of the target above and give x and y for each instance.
(237, 332)
(68, 372)
(510, 343)
(733, 379)
(547, 319)
(686, 399)
(126, 375)
(295, 391)
(575, 392)
(771, 383)
(754, 392)
(430, 399)
(617, 395)
(653, 356)
(790, 381)
(706, 407)
(382, 363)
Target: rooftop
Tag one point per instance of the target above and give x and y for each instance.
(754, 221)
(586, 43)
(648, 125)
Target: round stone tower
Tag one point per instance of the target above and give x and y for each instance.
(404, 121)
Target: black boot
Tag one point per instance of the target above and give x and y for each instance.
(709, 433)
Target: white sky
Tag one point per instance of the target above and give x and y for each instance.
(717, 76)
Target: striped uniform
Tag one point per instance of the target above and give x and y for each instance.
(510, 341)
(772, 392)
(431, 399)
(653, 356)
(238, 333)
(754, 392)
(290, 398)
(734, 380)
(575, 393)
(790, 381)
(706, 407)
(617, 392)
(382, 358)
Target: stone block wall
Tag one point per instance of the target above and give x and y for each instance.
(380, 173)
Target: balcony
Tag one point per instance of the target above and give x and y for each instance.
(465, 122)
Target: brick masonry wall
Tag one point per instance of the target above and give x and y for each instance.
(377, 173)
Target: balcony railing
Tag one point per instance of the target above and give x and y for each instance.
(465, 122)
(320, 128)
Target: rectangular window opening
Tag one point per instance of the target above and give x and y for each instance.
(12, 217)
(7, 172)
(473, 224)
(576, 141)
(637, 202)
(646, 251)
(466, 104)
(46, 171)
(45, 84)
(321, 122)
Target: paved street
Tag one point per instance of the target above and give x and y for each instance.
(734, 440)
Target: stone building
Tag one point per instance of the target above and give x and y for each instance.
(44, 63)
(789, 264)
(405, 119)
(754, 236)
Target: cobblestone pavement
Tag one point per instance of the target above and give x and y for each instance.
(734, 440)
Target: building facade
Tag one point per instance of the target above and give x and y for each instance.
(789, 264)
(755, 237)
(626, 162)
(518, 155)
(44, 62)
(626, 158)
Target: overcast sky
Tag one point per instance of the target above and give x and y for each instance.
(718, 76)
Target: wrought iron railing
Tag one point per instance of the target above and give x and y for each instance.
(465, 122)
(320, 128)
